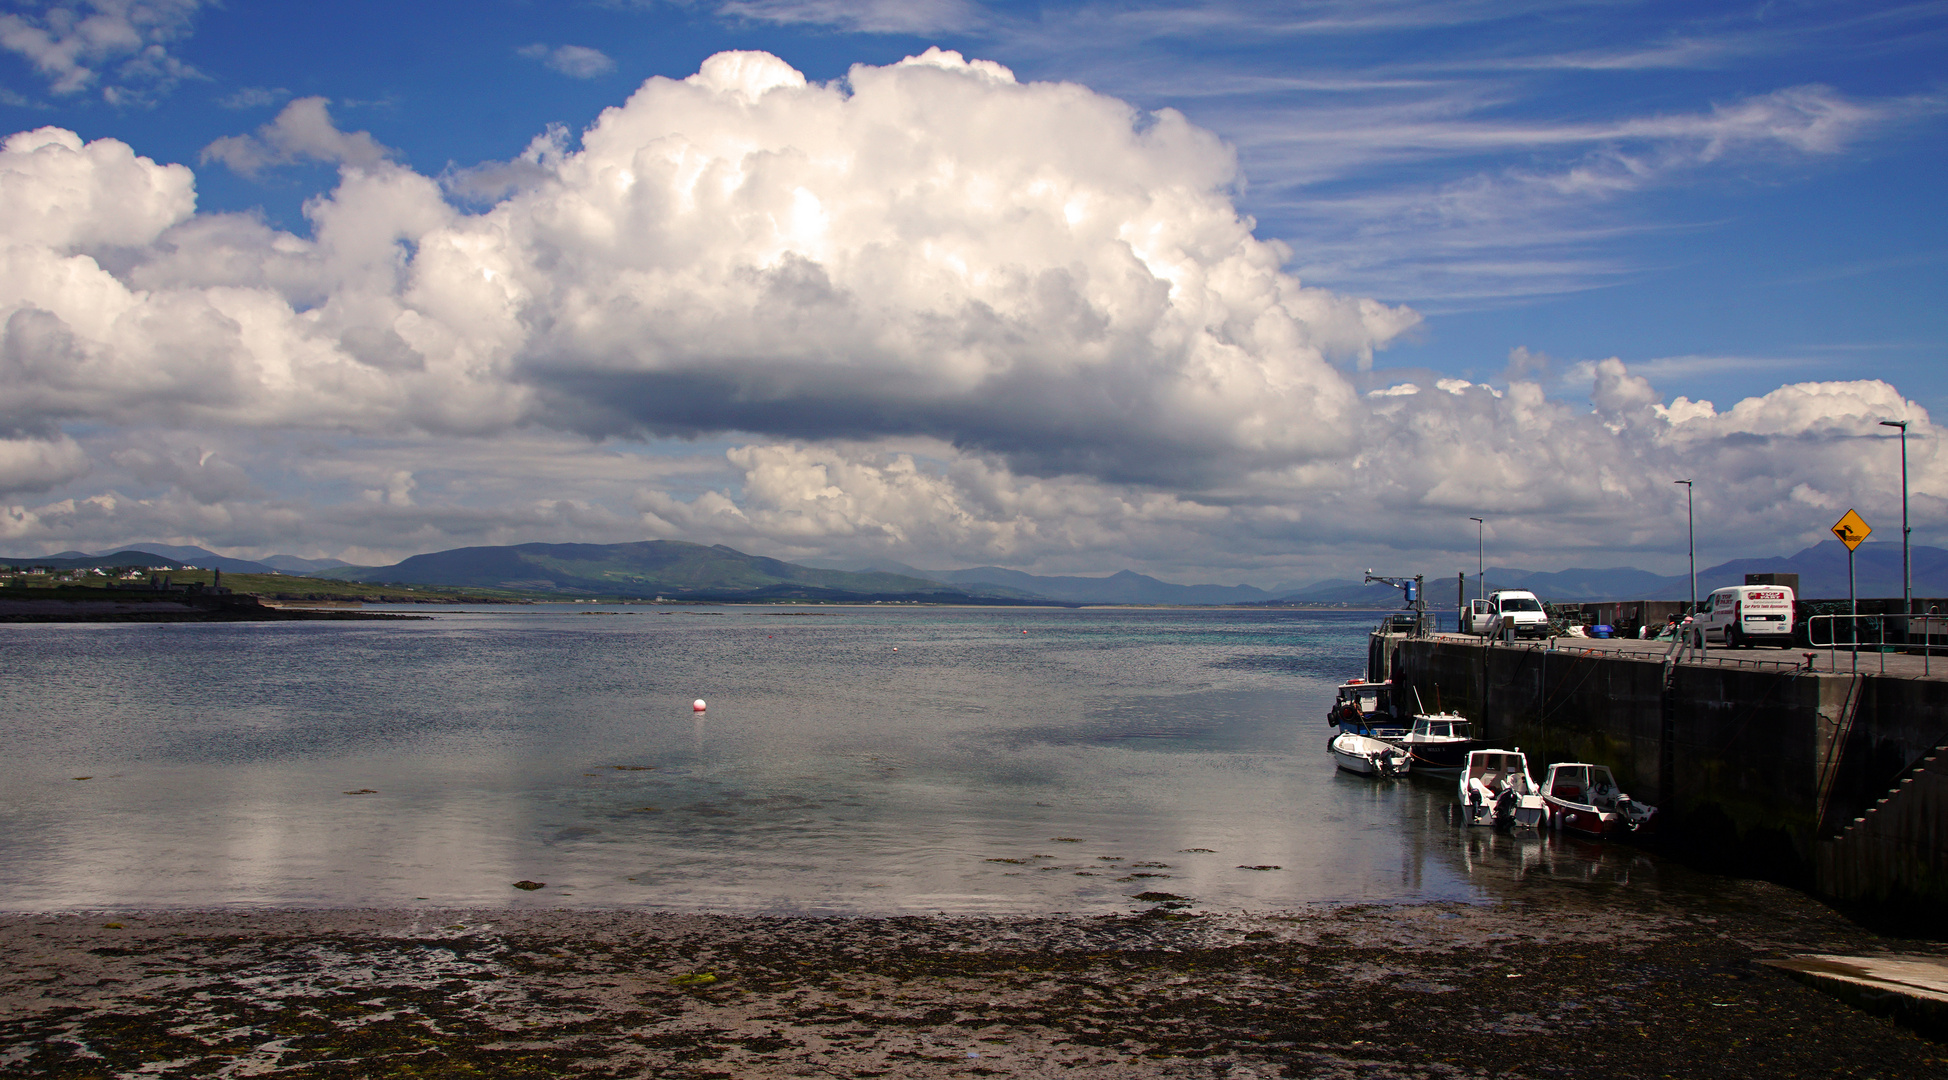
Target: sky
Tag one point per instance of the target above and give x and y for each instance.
(1260, 293)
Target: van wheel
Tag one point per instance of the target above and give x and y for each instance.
(1736, 638)
(1697, 640)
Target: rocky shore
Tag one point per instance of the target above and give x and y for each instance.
(1599, 985)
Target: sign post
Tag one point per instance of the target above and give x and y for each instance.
(1852, 530)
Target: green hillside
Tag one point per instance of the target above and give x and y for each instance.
(669, 568)
(271, 587)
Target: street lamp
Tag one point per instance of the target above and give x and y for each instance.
(1691, 531)
(1907, 603)
(1481, 566)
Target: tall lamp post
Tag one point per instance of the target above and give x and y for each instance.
(1481, 566)
(1907, 587)
(1691, 533)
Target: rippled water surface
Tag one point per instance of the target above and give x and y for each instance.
(851, 760)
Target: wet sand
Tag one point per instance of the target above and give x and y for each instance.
(1568, 984)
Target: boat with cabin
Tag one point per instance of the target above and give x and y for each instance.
(1439, 742)
(1365, 708)
(1496, 789)
(1585, 798)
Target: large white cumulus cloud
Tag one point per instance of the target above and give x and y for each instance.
(1034, 270)
(1031, 269)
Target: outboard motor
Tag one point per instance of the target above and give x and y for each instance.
(1505, 804)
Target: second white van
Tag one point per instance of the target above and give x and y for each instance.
(1741, 616)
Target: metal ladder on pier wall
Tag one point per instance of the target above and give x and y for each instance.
(1836, 751)
(1667, 738)
(1667, 729)
(1898, 849)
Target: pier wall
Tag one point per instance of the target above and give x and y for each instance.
(1753, 770)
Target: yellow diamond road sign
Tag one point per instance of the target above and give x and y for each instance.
(1851, 530)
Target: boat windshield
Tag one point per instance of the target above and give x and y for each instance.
(1570, 782)
(1602, 784)
(1502, 764)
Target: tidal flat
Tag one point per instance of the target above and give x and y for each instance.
(1571, 986)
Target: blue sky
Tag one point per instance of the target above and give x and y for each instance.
(1727, 198)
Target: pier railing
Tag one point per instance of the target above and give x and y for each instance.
(1678, 652)
(1853, 633)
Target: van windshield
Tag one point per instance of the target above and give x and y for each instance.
(1520, 603)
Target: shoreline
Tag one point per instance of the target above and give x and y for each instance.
(1564, 982)
(33, 610)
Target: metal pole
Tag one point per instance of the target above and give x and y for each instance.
(1481, 559)
(1853, 609)
(1691, 542)
(1691, 532)
(1907, 577)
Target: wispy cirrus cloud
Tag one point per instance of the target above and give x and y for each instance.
(1453, 202)
(1584, 373)
(863, 16)
(574, 61)
(253, 97)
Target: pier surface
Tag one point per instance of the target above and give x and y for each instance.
(1913, 988)
(1841, 660)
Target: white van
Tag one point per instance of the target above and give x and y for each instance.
(1517, 608)
(1740, 616)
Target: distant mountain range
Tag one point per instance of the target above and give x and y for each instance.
(680, 570)
(669, 568)
(178, 555)
(1122, 587)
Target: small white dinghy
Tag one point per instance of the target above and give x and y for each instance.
(1496, 789)
(1368, 756)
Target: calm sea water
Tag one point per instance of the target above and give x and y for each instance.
(851, 760)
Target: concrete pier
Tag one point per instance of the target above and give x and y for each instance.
(1910, 988)
(1760, 760)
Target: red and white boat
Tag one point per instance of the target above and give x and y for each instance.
(1585, 799)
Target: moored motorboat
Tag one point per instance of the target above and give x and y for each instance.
(1496, 789)
(1585, 798)
(1368, 756)
(1439, 742)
